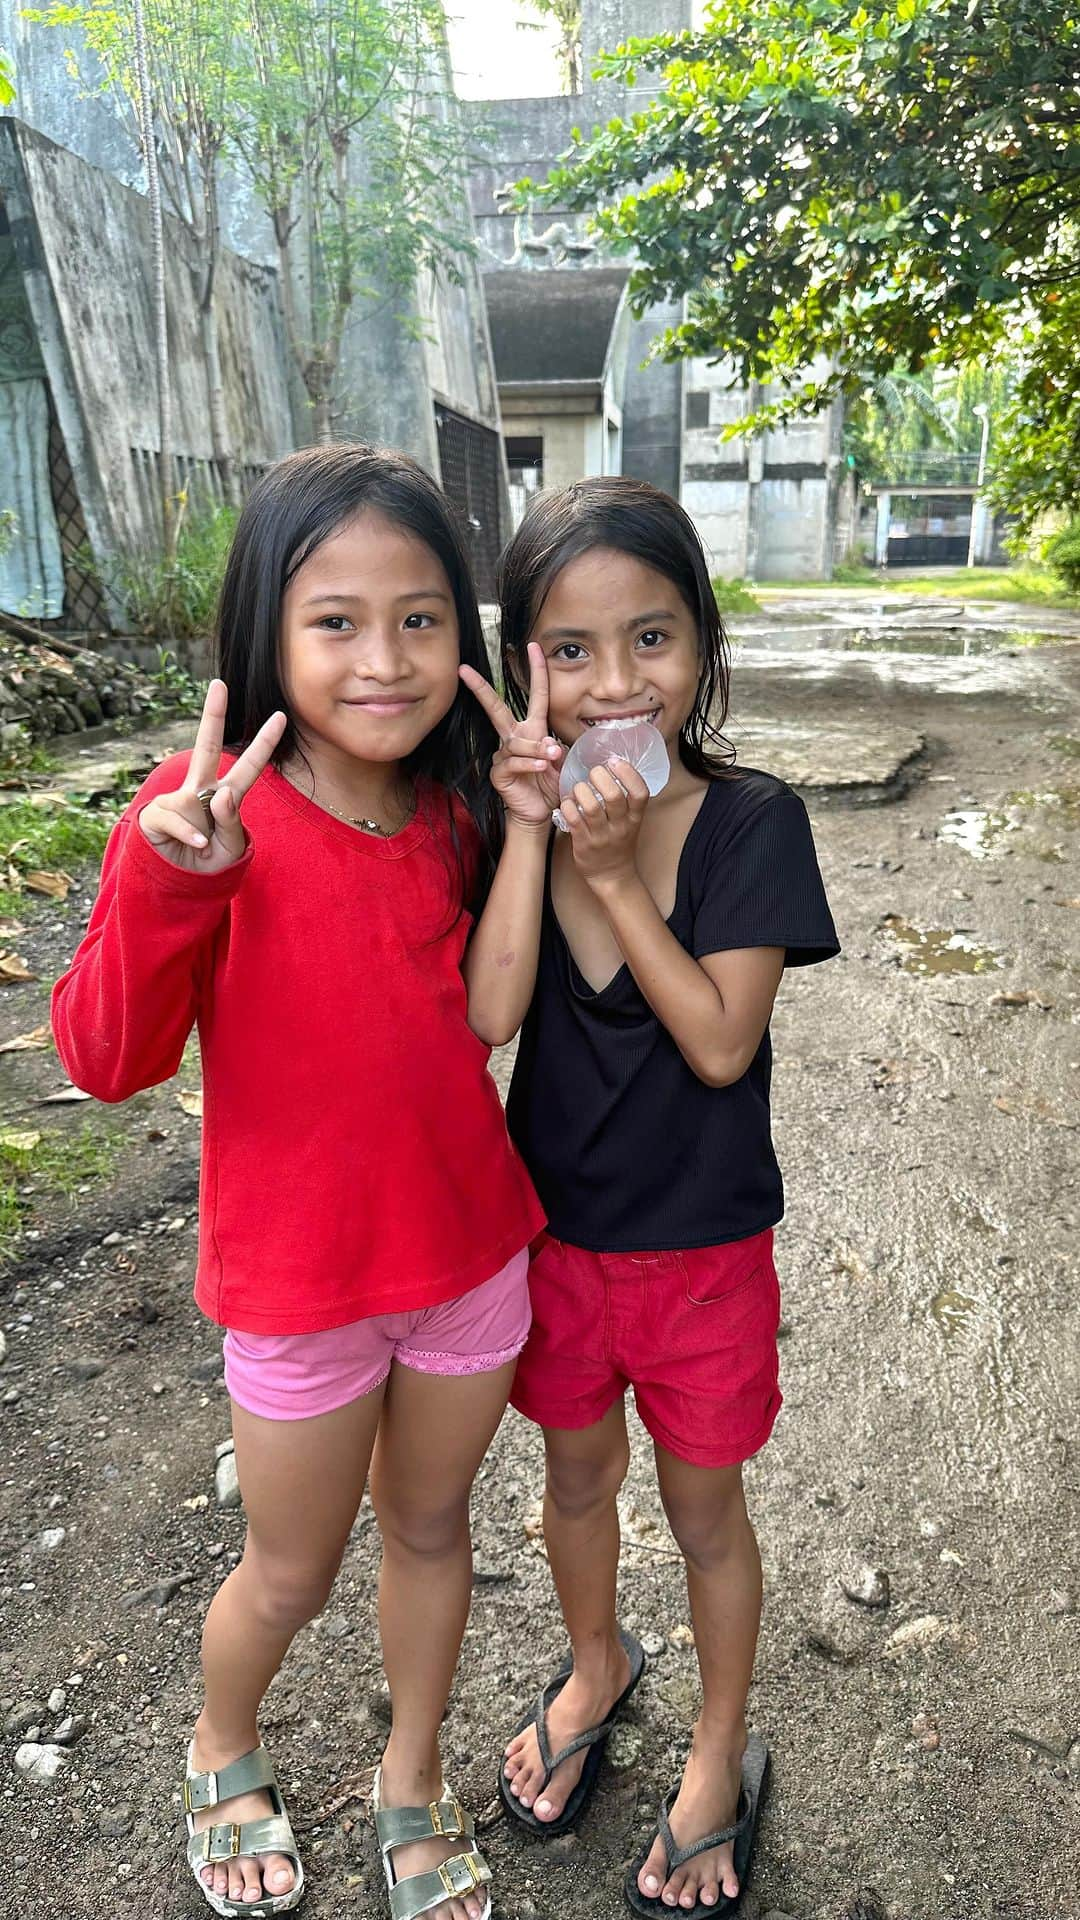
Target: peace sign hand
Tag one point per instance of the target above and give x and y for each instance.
(525, 771)
(208, 837)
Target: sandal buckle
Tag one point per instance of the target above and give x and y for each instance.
(435, 1816)
(212, 1850)
(458, 1875)
(208, 1788)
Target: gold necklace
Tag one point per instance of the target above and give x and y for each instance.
(362, 821)
(365, 824)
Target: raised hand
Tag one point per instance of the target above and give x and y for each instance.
(603, 818)
(207, 837)
(525, 771)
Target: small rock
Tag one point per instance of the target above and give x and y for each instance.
(210, 1368)
(52, 1538)
(652, 1644)
(57, 1700)
(867, 1586)
(85, 1368)
(71, 1729)
(1059, 1603)
(226, 1481)
(41, 1763)
(160, 1593)
(11, 1397)
(623, 1747)
(3, 1348)
(115, 1822)
(492, 1576)
(112, 1240)
(27, 1714)
(223, 1447)
(913, 1635)
(681, 1637)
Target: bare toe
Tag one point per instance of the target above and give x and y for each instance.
(651, 1878)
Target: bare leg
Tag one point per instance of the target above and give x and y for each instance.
(302, 1482)
(585, 1470)
(435, 1431)
(708, 1517)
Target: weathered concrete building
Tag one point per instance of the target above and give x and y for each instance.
(78, 408)
(766, 506)
(415, 371)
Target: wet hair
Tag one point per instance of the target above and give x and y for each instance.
(635, 518)
(292, 509)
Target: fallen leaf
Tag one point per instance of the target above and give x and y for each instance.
(19, 1140)
(63, 1096)
(56, 885)
(191, 1103)
(1067, 903)
(12, 968)
(1024, 997)
(925, 1631)
(9, 929)
(1034, 1105)
(31, 1042)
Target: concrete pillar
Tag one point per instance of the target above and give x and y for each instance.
(881, 536)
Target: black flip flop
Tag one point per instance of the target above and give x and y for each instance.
(755, 1768)
(594, 1738)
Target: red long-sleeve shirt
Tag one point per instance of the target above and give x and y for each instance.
(355, 1158)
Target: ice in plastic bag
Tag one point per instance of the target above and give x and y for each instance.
(637, 741)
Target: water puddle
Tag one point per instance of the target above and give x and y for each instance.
(953, 1311)
(938, 950)
(985, 831)
(951, 641)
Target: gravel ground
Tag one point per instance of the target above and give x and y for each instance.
(927, 1751)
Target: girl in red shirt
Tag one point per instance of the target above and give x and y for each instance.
(307, 899)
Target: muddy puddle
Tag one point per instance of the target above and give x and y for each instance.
(938, 950)
(1027, 820)
(939, 641)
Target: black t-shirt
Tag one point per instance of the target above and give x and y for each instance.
(629, 1150)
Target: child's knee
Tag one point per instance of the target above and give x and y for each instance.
(284, 1596)
(710, 1529)
(426, 1532)
(576, 1484)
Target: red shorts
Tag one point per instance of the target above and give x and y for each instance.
(694, 1334)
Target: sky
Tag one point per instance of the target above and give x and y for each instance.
(494, 58)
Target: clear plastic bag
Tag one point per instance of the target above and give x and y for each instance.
(636, 741)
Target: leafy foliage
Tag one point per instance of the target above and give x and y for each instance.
(175, 598)
(1063, 554)
(566, 16)
(861, 184)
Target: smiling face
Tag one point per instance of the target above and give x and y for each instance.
(620, 642)
(369, 643)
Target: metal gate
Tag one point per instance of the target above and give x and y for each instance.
(469, 466)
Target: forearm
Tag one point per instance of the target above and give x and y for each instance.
(500, 964)
(710, 1038)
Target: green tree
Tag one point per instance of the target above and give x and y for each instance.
(7, 79)
(843, 188)
(352, 145)
(566, 16)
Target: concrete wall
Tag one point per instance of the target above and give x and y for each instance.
(83, 243)
(765, 507)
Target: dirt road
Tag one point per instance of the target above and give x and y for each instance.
(927, 1751)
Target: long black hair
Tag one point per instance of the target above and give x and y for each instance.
(291, 510)
(634, 518)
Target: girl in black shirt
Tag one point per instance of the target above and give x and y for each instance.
(640, 1102)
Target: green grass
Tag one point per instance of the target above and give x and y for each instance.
(734, 596)
(56, 1162)
(1023, 583)
(59, 834)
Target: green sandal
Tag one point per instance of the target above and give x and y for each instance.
(462, 1874)
(217, 1844)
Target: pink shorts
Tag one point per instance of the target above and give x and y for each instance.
(694, 1334)
(294, 1376)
